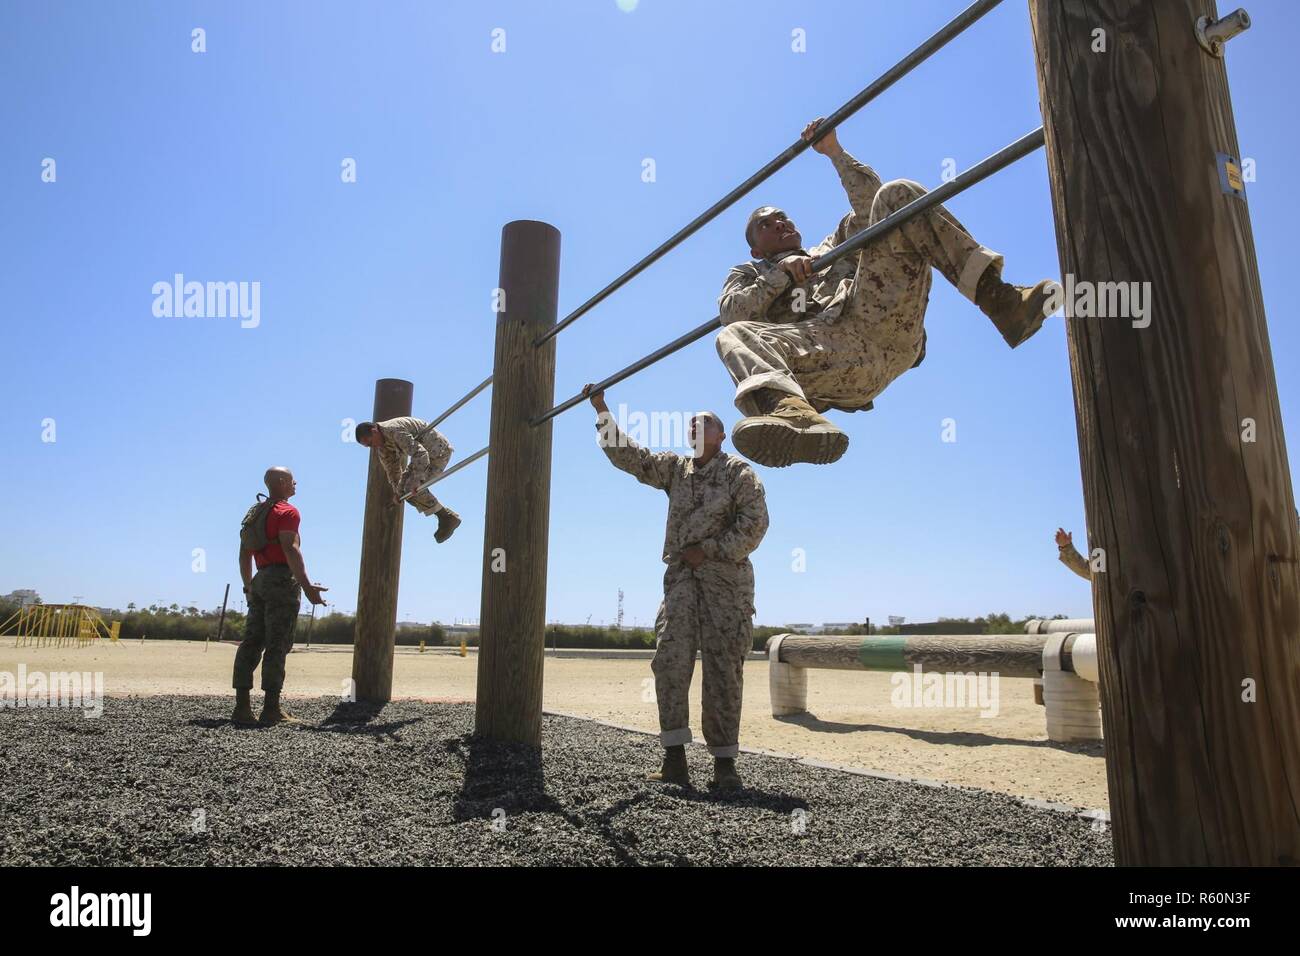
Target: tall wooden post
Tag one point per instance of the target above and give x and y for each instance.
(512, 621)
(381, 562)
(1185, 473)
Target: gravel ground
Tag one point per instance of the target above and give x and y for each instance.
(170, 781)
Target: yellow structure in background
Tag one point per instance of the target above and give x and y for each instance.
(58, 625)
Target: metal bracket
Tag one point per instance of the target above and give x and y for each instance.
(1213, 35)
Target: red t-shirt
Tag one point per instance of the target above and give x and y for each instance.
(282, 517)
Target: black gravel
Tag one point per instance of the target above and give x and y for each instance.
(409, 784)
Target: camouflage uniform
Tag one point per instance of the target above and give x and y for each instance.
(273, 600)
(710, 609)
(429, 453)
(1076, 562)
(861, 324)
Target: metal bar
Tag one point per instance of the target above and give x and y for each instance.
(963, 181)
(676, 344)
(450, 471)
(470, 394)
(900, 69)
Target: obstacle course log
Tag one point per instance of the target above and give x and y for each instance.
(1066, 662)
(1083, 625)
(381, 561)
(1186, 485)
(512, 619)
(1011, 655)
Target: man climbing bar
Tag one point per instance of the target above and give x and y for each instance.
(428, 452)
(268, 537)
(798, 343)
(717, 515)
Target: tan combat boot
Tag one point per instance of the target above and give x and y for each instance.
(787, 430)
(674, 768)
(243, 715)
(724, 774)
(272, 713)
(1018, 311)
(448, 522)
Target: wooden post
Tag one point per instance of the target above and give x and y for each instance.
(513, 615)
(1185, 475)
(381, 562)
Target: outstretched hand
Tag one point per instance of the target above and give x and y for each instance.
(1063, 538)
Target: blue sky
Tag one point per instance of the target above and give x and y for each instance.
(225, 166)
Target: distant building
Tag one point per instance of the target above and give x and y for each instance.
(23, 597)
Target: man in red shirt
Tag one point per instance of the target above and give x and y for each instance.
(273, 600)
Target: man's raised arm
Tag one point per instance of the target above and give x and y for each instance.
(655, 469)
(859, 180)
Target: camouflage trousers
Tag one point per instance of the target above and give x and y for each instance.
(424, 501)
(688, 623)
(273, 601)
(846, 360)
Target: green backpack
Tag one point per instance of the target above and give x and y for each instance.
(252, 530)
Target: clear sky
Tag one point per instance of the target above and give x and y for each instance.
(225, 166)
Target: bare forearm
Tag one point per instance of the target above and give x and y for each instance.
(246, 567)
(293, 555)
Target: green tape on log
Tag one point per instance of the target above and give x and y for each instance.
(883, 653)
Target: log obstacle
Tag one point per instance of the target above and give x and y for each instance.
(1082, 625)
(1065, 661)
(381, 562)
(1186, 485)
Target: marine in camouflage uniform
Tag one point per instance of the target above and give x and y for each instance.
(413, 452)
(717, 515)
(836, 338)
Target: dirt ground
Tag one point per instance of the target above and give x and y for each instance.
(850, 721)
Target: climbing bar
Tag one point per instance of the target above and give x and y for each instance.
(900, 69)
(963, 181)
(468, 395)
(449, 472)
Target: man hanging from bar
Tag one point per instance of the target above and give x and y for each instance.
(798, 343)
(717, 515)
(428, 452)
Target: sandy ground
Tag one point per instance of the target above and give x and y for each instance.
(851, 720)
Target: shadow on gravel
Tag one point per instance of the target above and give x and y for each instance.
(960, 738)
(359, 718)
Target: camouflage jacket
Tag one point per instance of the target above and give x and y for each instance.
(721, 507)
(411, 437)
(1076, 562)
(761, 291)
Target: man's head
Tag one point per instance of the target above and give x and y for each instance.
(367, 433)
(770, 231)
(706, 434)
(279, 482)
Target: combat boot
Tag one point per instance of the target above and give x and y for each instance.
(1017, 311)
(243, 715)
(724, 774)
(674, 768)
(786, 430)
(272, 712)
(448, 522)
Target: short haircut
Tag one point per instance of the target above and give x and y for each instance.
(364, 429)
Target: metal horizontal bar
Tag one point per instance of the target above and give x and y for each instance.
(667, 350)
(449, 472)
(963, 181)
(468, 395)
(887, 79)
